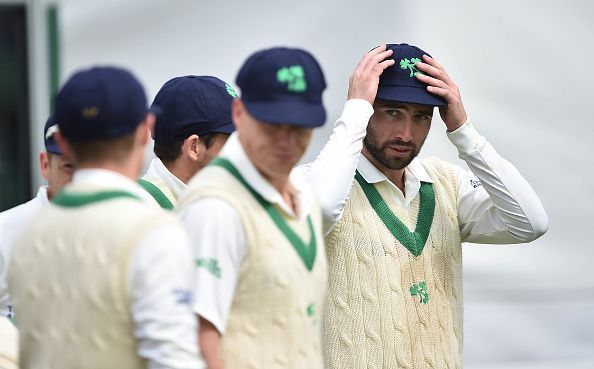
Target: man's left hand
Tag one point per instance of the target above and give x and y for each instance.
(440, 84)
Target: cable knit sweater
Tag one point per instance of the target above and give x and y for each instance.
(386, 307)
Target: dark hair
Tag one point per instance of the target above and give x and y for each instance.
(172, 151)
(208, 139)
(168, 152)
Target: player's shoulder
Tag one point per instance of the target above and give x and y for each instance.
(438, 168)
(435, 163)
(20, 213)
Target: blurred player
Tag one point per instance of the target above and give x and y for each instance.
(57, 169)
(256, 229)
(102, 277)
(193, 124)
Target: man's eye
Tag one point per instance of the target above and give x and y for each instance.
(392, 112)
(422, 117)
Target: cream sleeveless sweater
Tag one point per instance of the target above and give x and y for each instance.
(69, 282)
(385, 307)
(275, 316)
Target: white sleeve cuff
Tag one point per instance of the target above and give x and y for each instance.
(466, 138)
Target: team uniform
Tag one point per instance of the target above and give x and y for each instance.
(395, 275)
(261, 265)
(262, 293)
(12, 222)
(126, 271)
(162, 185)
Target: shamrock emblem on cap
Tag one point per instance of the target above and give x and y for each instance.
(294, 76)
(231, 91)
(410, 65)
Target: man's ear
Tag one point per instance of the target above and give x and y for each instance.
(44, 164)
(191, 147)
(146, 128)
(237, 111)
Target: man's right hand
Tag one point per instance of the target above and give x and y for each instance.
(365, 79)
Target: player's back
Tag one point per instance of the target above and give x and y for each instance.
(69, 280)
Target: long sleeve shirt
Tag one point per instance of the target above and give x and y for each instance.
(495, 203)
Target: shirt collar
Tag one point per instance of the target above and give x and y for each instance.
(371, 174)
(234, 152)
(103, 179)
(159, 170)
(414, 174)
(42, 195)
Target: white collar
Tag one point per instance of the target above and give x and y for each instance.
(414, 174)
(158, 170)
(103, 179)
(42, 195)
(234, 152)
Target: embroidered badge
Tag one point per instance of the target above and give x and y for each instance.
(420, 290)
(90, 113)
(183, 296)
(476, 183)
(211, 265)
(410, 65)
(294, 77)
(231, 91)
(311, 310)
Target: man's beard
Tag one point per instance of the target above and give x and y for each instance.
(377, 150)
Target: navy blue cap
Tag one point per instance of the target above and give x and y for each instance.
(51, 127)
(193, 105)
(398, 82)
(284, 86)
(100, 103)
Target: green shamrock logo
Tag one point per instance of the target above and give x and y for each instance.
(231, 91)
(311, 310)
(410, 65)
(294, 77)
(211, 265)
(420, 289)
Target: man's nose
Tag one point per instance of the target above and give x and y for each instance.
(285, 134)
(404, 129)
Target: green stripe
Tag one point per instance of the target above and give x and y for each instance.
(72, 200)
(156, 193)
(413, 241)
(307, 253)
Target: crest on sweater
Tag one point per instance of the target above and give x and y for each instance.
(420, 290)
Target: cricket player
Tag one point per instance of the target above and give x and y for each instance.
(102, 278)
(57, 169)
(256, 229)
(193, 124)
(397, 222)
